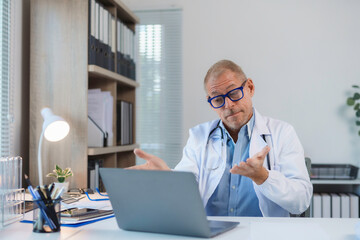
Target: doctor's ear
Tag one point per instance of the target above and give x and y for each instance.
(250, 86)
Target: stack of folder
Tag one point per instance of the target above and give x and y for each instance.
(125, 50)
(108, 36)
(101, 36)
(335, 205)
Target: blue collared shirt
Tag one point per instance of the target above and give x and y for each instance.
(235, 194)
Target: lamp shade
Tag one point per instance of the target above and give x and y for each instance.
(55, 128)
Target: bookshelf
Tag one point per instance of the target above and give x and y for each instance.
(60, 76)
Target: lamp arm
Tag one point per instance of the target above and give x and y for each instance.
(39, 159)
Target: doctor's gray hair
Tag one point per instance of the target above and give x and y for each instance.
(220, 67)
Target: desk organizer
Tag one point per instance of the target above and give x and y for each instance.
(12, 196)
(334, 171)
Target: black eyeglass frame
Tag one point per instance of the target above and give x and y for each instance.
(241, 88)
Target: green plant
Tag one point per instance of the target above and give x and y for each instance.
(355, 101)
(60, 174)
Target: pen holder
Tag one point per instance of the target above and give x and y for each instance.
(46, 218)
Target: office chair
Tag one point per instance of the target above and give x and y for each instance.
(307, 211)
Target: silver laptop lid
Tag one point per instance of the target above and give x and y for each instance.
(156, 201)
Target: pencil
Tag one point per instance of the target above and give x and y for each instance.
(27, 180)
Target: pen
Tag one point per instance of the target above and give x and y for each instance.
(41, 206)
(51, 187)
(49, 205)
(47, 192)
(59, 193)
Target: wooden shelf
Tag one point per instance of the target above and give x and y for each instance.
(62, 85)
(96, 71)
(124, 12)
(114, 149)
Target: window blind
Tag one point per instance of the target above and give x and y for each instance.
(6, 86)
(159, 72)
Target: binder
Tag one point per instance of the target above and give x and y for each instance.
(101, 45)
(106, 47)
(92, 40)
(335, 206)
(354, 205)
(124, 123)
(131, 123)
(112, 37)
(345, 205)
(317, 205)
(119, 48)
(98, 47)
(326, 205)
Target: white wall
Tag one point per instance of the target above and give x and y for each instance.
(303, 57)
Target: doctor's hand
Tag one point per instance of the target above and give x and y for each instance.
(152, 162)
(253, 167)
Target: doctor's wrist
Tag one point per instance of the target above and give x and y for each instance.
(261, 177)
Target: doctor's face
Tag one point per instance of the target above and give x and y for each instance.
(234, 114)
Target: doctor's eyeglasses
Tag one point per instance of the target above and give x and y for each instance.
(234, 95)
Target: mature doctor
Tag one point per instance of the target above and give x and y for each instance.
(246, 164)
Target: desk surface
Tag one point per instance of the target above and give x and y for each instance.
(249, 228)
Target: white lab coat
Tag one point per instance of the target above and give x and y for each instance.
(287, 189)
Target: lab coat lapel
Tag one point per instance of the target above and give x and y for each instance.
(257, 142)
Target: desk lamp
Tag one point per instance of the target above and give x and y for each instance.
(54, 129)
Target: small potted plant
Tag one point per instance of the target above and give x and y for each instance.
(61, 176)
(355, 103)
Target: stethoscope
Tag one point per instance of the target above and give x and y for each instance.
(222, 140)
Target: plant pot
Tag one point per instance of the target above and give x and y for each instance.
(60, 185)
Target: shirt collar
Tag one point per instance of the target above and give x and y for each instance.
(249, 126)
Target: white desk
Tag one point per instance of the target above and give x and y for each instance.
(249, 228)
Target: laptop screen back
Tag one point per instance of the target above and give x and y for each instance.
(156, 201)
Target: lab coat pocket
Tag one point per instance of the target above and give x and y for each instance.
(213, 158)
(212, 163)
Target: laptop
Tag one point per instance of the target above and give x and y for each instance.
(160, 202)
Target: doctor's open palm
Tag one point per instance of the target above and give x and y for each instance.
(152, 162)
(253, 167)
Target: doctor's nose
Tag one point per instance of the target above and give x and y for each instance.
(228, 103)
